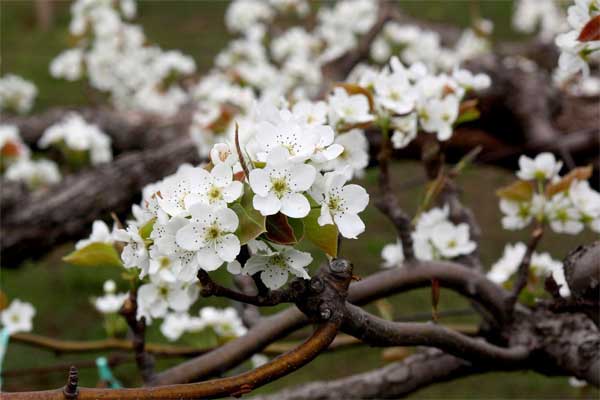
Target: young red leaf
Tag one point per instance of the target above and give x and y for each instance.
(591, 30)
(279, 230)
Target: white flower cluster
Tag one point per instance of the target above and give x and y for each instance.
(16, 94)
(567, 203)
(257, 67)
(116, 58)
(414, 44)
(17, 317)
(340, 25)
(547, 17)
(111, 302)
(406, 99)
(542, 265)
(576, 55)
(16, 162)
(78, 136)
(191, 220)
(435, 238)
(226, 323)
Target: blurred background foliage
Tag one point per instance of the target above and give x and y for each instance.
(61, 293)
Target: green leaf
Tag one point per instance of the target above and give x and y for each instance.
(467, 116)
(324, 237)
(146, 229)
(298, 227)
(467, 112)
(95, 255)
(279, 230)
(252, 223)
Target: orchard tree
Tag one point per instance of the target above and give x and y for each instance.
(298, 105)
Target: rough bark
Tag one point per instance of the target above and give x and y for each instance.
(33, 224)
(390, 382)
(128, 131)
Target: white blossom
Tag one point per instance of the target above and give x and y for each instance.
(16, 94)
(225, 322)
(34, 173)
(111, 302)
(78, 135)
(68, 65)
(341, 203)
(355, 153)
(435, 237)
(135, 253)
(348, 109)
(543, 167)
(275, 267)
(210, 234)
(157, 297)
(101, 233)
(17, 317)
(279, 186)
(392, 254)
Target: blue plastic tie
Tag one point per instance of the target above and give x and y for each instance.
(4, 336)
(106, 374)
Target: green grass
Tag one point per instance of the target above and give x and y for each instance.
(61, 293)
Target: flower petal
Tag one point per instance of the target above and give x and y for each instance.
(222, 175)
(208, 259)
(190, 237)
(295, 205)
(267, 205)
(228, 247)
(274, 277)
(302, 177)
(356, 198)
(350, 225)
(260, 182)
(233, 191)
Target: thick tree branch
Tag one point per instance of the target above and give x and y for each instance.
(379, 332)
(235, 385)
(37, 222)
(393, 381)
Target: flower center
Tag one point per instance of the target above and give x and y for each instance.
(335, 203)
(214, 194)
(165, 262)
(213, 233)
(280, 186)
(279, 261)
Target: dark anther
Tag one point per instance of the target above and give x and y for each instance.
(70, 390)
(325, 313)
(339, 265)
(317, 285)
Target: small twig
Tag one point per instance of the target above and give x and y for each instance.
(523, 271)
(272, 298)
(144, 360)
(388, 201)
